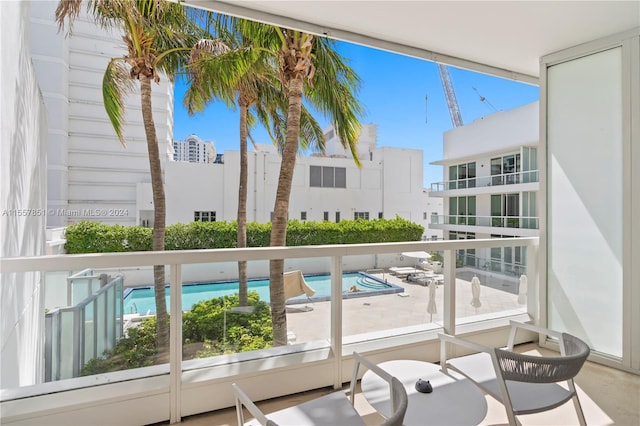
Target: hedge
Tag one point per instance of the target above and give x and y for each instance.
(95, 237)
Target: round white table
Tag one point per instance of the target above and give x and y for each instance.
(454, 400)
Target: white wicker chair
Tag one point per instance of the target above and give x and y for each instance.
(525, 384)
(332, 409)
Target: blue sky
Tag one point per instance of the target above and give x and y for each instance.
(393, 94)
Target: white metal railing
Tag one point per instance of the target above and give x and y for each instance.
(522, 222)
(175, 260)
(530, 176)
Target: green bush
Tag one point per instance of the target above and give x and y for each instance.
(203, 327)
(137, 350)
(95, 237)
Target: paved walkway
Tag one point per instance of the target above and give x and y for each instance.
(389, 311)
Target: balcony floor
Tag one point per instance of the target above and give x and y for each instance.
(608, 397)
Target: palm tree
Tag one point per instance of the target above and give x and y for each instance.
(309, 67)
(158, 36)
(256, 86)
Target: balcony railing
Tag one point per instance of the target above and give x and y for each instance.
(90, 324)
(174, 387)
(487, 181)
(523, 222)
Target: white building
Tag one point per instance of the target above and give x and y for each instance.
(194, 150)
(90, 174)
(491, 183)
(388, 184)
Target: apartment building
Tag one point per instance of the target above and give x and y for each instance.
(490, 185)
(194, 150)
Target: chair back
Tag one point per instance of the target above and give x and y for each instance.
(400, 401)
(543, 369)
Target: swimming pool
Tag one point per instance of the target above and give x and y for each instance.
(141, 299)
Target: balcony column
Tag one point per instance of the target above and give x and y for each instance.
(175, 342)
(336, 319)
(449, 308)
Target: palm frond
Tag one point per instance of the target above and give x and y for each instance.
(116, 84)
(67, 9)
(335, 93)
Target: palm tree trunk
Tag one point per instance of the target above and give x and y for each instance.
(159, 214)
(242, 207)
(281, 209)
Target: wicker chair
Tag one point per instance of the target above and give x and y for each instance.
(332, 409)
(525, 384)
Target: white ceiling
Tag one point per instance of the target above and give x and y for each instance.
(506, 35)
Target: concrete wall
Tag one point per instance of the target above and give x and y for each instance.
(500, 131)
(22, 200)
(90, 170)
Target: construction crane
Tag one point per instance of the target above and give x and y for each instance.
(450, 94)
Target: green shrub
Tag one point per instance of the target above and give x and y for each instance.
(95, 237)
(203, 327)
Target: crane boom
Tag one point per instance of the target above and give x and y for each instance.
(450, 94)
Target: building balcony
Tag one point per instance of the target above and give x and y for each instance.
(512, 182)
(501, 225)
(323, 332)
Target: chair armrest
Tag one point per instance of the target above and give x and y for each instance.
(359, 359)
(447, 338)
(515, 325)
(243, 399)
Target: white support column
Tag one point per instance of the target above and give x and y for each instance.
(449, 317)
(175, 343)
(336, 319)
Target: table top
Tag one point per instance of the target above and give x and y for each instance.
(454, 401)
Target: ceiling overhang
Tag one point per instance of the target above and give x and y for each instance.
(502, 38)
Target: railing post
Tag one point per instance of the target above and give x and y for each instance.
(336, 319)
(449, 316)
(175, 343)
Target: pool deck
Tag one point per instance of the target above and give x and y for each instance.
(311, 321)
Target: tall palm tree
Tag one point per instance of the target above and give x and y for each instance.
(309, 67)
(257, 86)
(158, 36)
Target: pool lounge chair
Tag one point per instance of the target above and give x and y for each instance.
(400, 271)
(295, 285)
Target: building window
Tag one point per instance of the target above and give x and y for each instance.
(380, 215)
(326, 216)
(462, 210)
(303, 215)
(505, 210)
(505, 170)
(462, 175)
(203, 216)
(329, 135)
(424, 215)
(337, 217)
(360, 215)
(327, 177)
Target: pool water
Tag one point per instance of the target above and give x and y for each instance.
(141, 299)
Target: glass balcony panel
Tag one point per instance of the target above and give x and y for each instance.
(89, 332)
(498, 280)
(391, 295)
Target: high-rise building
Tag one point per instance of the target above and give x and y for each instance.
(194, 150)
